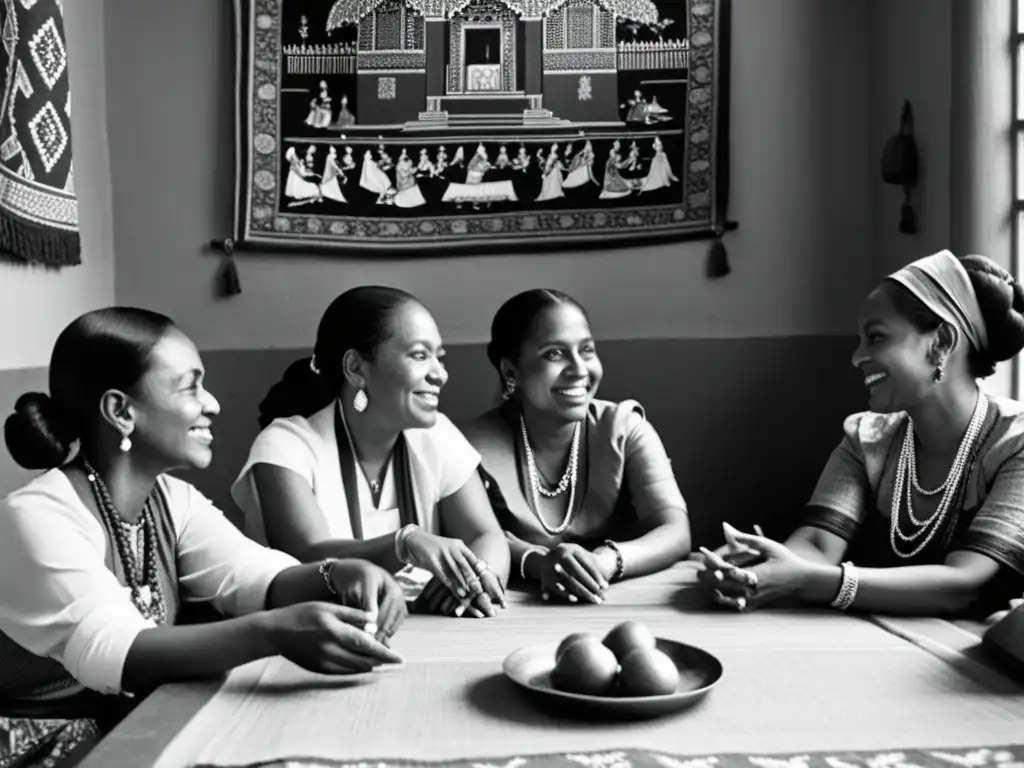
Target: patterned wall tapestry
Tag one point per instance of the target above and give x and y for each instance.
(38, 209)
(446, 124)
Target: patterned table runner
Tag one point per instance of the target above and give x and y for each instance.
(983, 757)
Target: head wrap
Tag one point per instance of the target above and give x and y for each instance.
(943, 285)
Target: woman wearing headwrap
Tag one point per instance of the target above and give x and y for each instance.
(920, 509)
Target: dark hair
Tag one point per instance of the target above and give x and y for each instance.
(101, 350)
(1001, 300)
(358, 319)
(515, 320)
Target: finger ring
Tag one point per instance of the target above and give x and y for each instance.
(752, 579)
(481, 567)
(741, 603)
(559, 568)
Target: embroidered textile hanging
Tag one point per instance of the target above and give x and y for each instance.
(410, 125)
(38, 208)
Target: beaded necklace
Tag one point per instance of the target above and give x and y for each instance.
(567, 481)
(140, 577)
(906, 482)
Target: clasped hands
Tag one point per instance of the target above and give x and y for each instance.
(570, 572)
(750, 571)
(462, 583)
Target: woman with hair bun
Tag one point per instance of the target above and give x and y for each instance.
(920, 509)
(582, 487)
(355, 460)
(100, 552)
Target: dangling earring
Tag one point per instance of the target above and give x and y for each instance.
(510, 389)
(360, 401)
(940, 371)
(126, 444)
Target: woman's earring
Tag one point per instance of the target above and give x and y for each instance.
(126, 444)
(510, 389)
(940, 370)
(360, 401)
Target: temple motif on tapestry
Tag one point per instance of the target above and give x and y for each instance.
(405, 123)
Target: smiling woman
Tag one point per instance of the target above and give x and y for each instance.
(615, 510)
(99, 554)
(924, 497)
(356, 461)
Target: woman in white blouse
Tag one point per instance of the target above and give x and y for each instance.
(98, 554)
(356, 461)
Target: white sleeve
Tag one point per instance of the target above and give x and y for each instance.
(58, 599)
(217, 563)
(458, 458)
(284, 444)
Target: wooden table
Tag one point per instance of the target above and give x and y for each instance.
(794, 681)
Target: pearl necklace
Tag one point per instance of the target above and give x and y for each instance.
(906, 481)
(568, 479)
(141, 577)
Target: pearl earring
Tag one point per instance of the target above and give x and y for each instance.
(360, 401)
(126, 444)
(510, 389)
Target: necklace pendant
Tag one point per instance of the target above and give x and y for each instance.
(146, 595)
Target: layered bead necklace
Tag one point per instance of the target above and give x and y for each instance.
(907, 482)
(567, 481)
(140, 572)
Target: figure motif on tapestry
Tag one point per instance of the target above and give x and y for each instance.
(552, 187)
(299, 187)
(660, 174)
(345, 117)
(502, 109)
(320, 109)
(333, 178)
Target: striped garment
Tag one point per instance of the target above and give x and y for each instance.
(853, 497)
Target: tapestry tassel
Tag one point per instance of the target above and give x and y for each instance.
(718, 258)
(228, 282)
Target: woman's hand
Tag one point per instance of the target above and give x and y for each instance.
(327, 638)
(569, 572)
(998, 616)
(368, 587)
(782, 574)
(455, 566)
(438, 600)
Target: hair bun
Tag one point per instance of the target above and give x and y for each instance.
(1001, 300)
(34, 435)
(299, 392)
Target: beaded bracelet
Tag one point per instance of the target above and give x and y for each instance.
(620, 566)
(522, 560)
(326, 568)
(848, 588)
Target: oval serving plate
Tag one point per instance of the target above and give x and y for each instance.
(531, 666)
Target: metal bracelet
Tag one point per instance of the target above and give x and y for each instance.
(401, 551)
(326, 569)
(848, 588)
(620, 566)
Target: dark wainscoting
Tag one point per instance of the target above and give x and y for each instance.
(748, 423)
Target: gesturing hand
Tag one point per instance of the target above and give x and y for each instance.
(327, 638)
(371, 589)
(436, 599)
(570, 572)
(781, 574)
(455, 566)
